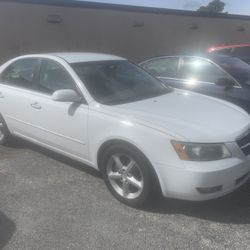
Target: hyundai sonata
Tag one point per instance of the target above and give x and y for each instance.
(108, 113)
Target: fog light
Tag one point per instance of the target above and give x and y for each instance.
(209, 190)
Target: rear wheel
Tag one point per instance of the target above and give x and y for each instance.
(127, 175)
(4, 132)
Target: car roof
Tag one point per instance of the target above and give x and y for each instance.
(205, 56)
(76, 57)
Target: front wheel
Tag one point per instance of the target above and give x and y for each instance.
(127, 175)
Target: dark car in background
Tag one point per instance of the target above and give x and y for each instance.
(241, 51)
(220, 76)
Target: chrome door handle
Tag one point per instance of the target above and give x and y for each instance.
(35, 105)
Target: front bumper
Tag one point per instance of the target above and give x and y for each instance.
(199, 181)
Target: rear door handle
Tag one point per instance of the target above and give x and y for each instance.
(35, 105)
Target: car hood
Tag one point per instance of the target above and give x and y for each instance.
(188, 116)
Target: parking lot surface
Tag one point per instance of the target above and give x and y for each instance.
(50, 202)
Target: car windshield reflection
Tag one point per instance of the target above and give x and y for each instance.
(116, 82)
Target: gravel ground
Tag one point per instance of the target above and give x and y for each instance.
(50, 202)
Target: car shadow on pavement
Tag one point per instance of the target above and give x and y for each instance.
(233, 208)
(19, 143)
(7, 229)
(230, 209)
(72, 163)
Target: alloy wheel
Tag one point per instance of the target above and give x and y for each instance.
(125, 176)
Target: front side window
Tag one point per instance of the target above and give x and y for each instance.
(200, 70)
(21, 73)
(115, 82)
(54, 77)
(163, 67)
(235, 67)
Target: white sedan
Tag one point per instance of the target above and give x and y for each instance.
(110, 114)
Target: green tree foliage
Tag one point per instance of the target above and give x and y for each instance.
(215, 6)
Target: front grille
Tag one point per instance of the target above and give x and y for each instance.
(244, 143)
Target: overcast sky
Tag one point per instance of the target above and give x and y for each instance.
(232, 6)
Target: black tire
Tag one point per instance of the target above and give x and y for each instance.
(143, 167)
(4, 132)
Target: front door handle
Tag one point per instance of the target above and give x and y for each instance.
(35, 105)
(1, 95)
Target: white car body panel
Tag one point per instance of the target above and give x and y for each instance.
(52, 124)
(178, 112)
(79, 130)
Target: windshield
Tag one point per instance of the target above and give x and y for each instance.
(116, 82)
(236, 67)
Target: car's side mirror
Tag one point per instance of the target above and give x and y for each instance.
(225, 82)
(66, 95)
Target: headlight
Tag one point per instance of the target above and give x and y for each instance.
(201, 152)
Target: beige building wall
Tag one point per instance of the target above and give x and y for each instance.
(24, 29)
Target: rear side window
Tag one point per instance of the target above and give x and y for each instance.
(163, 67)
(21, 73)
(54, 77)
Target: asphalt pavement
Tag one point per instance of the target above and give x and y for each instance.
(51, 202)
